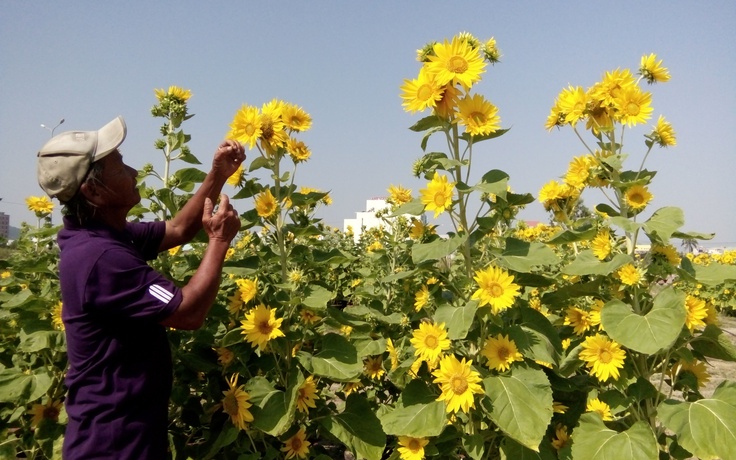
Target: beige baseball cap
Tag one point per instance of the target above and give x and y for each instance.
(65, 159)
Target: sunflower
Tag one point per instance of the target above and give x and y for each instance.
(561, 437)
(236, 179)
(308, 316)
(630, 275)
(373, 367)
(56, 320)
(421, 93)
(556, 117)
(695, 367)
(306, 395)
(697, 312)
(578, 171)
(295, 118)
(490, 51)
(429, 341)
(601, 244)
(495, 288)
(478, 115)
(594, 315)
(273, 135)
(437, 196)
(550, 193)
(637, 197)
(392, 353)
(398, 195)
(260, 326)
(297, 446)
(666, 252)
(573, 102)
(501, 352)
(49, 411)
(652, 70)
(456, 62)
(663, 133)
(235, 403)
(611, 86)
(579, 319)
(266, 205)
(174, 92)
(446, 107)
(411, 448)
(225, 356)
(247, 289)
(604, 356)
(351, 387)
(39, 205)
(634, 106)
(458, 382)
(298, 150)
(603, 409)
(246, 126)
(421, 298)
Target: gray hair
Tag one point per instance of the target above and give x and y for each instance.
(78, 206)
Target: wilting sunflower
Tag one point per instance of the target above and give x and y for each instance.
(663, 133)
(561, 437)
(603, 409)
(49, 411)
(266, 204)
(298, 150)
(478, 115)
(652, 70)
(430, 341)
(495, 288)
(458, 382)
(604, 356)
(637, 197)
(235, 403)
(296, 446)
(307, 395)
(393, 354)
(260, 326)
(246, 126)
(501, 352)
(456, 62)
(437, 196)
(579, 319)
(411, 448)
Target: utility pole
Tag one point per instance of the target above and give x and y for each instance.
(54, 128)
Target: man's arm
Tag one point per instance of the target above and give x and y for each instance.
(188, 221)
(201, 290)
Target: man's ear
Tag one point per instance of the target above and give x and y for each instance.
(90, 191)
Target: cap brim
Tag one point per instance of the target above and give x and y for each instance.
(109, 138)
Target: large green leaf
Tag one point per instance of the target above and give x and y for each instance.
(649, 333)
(18, 387)
(711, 274)
(714, 343)
(522, 404)
(512, 450)
(572, 236)
(457, 319)
(358, 428)
(414, 208)
(274, 410)
(41, 340)
(707, 427)
(663, 223)
(592, 440)
(317, 297)
(586, 263)
(417, 413)
(523, 256)
(337, 360)
(436, 249)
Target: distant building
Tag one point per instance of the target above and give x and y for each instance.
(4, 225)
(367, 219)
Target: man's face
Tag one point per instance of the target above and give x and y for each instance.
(118, 182)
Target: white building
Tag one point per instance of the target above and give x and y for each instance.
(367, 219)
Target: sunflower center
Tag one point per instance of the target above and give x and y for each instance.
(457, 64)
(431, 341)
(296, 444)
(605, 356)
(230, 404)
(439, 199)
(459, 384)
(495, 289)
(632, 109)
(414, 445)
(636, 198)
(478, 117)
(51, 413)
(424, 93)
(503, 353)
(250, 129)
(264, 328)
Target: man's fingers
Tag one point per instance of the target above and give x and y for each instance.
(208, 207)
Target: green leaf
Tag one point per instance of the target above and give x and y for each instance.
(436, 249)
(227, 436)
(317, 297)
(358, 428)
(19, 388)
(428, 134)
(713, 343)
(592, 440)
(432, 121)
(586, 263)
(494, 181)
(607, 210)
(332, 257)
(458, 320)
(190, 175)
(414, 208)
(512, 450)
(338, 359)
(663, 223)
(572, 236)
(417, 414)
(188, 157)
(498, 133)
(649, 333)
(369, 347)
(473, 445)
(522, 404)
(712, 274)
(258, 163)
(626, 224)
(274, 411)
(42, 340)
(707, 427)
(523, 256)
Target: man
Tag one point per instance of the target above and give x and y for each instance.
(115, 306)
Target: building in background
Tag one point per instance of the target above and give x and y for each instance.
(4, 225)
(367, 219)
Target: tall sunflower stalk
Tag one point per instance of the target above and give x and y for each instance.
(443, 86)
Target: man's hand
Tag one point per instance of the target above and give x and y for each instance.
(222, 225)
(228, 157)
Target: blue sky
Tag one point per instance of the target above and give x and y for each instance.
(344, 62)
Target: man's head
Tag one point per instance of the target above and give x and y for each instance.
(65, 159)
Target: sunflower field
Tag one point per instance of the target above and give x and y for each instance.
(495, 341)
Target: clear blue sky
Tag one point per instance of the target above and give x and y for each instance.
(88, 61)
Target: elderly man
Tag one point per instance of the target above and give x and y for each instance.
(115, 306)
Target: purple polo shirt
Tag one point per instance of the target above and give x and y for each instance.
(120, 373)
